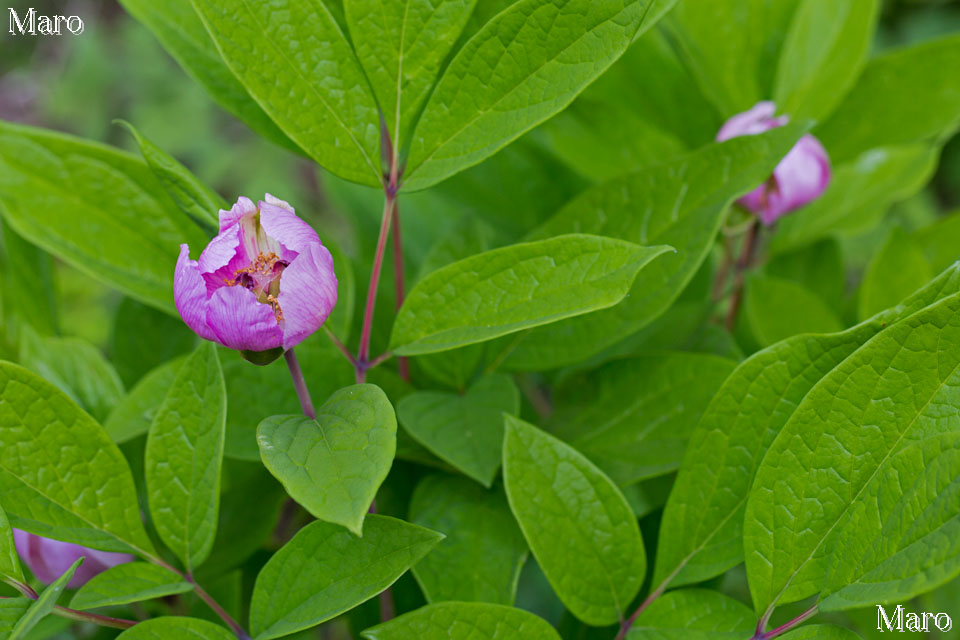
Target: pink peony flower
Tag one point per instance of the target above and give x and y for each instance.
(49, 559)
(265, 282)
(801, 177)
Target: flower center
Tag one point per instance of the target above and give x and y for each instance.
(262, 276)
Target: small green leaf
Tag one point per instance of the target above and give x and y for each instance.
(134, 413)
(481, 557)
(42, 435)
(42, 606)
(9, 560)
(464, 430)
(334, 464)
(820, 632)
(633, 417)
(302, 71)
(775, 309)
(144, 338)
(898, 269)
(183, 457)
(514, 288)
(31, 295)
(694, 614)
(179, 628)
(126, 583)
(940, 241)
(325, 570)
(578, 525)
(464, 621)
(11, 610)
(194, 198)
(98, 208)
(525, 65)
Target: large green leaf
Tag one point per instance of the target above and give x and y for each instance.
(632, 417)
(9, 560)
(297, 64)
(898, 388)
(940, 241)
(525, 65)
(126, 583)
(911, 95)
(134, 413)
(179, 628)
(11, 610)
(402, 46)
(702, 527)
(481, 557)
(824, 52)
(681, 204)
(60, 474)
(325, 570)
(31, 294)
(43, 605)
(694, 614)
(334, 464)
(179, 29)
(901, 537)
(897, 269)
(514, 288)
(464, 621)
(100, 209)
(144, 338)
(775, 309)
(820, 632)
(578, 525)
(466, 429)
(184, 455)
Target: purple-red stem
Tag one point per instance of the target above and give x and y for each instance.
(625, 626)
(220, 611)
(773, 633)
(363, 354)
(747, 252)
(402, 364)
(303, 394)
(73, 614)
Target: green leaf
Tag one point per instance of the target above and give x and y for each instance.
(42, 606)
(144, 338)
(898, 269)
(31, 295)
(858, 193)
(900, 537)
(126, 583)
(911, 94)
(179, 628)
(464, 621)
(325, 570)
(297, 64)
(183, 457)
(194, 198)
(633, 417)
(179, 29)
(11, 610)
(402, 47)
(702, 526)
(940, 241)
(514, 288)
(76, 367)
(465, 430)
(334, 464)
(97, 208)
(894, 390)
(481, 557)
(694, 614)
(134, 413)
(820, 632)
(578, 525)
(681, 204)
(528, 63)
(824, 52)
(775, 309)
(42, 435)
(9, 560)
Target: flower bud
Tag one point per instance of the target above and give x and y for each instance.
(802, 175)
(49, 559)
(263, 284)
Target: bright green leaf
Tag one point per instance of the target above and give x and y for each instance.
(183, 457)
(481, 557)
(334, 464)
(42, 435)
(820, 632)
(514, 288)
(940, 241)
(898, 269)
(179, 628)
(464, 621)
(11, 610)
(42, 606)
(9, 560)
(325, 570)
(134, 413)
(578, 525)
(31, 295)
(465, 430)
(126, 583)
(100, 209)
(694, 614)
(775, 309)
(297, 64)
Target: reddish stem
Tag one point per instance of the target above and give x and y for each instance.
(303, 394)
(73, 614)
(402, 364)
(625, 626)
(747, 252)
(220, 611)
(803, 617)
(363, 354)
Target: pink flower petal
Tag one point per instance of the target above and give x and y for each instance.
(49, 559)
(282, 225)
(241, 322)
(308, 293)
(756, 120)
(243, 207)
(190, 294)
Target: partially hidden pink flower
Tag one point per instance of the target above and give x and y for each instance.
(801, 177)
(265, 282)
(49, 559)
